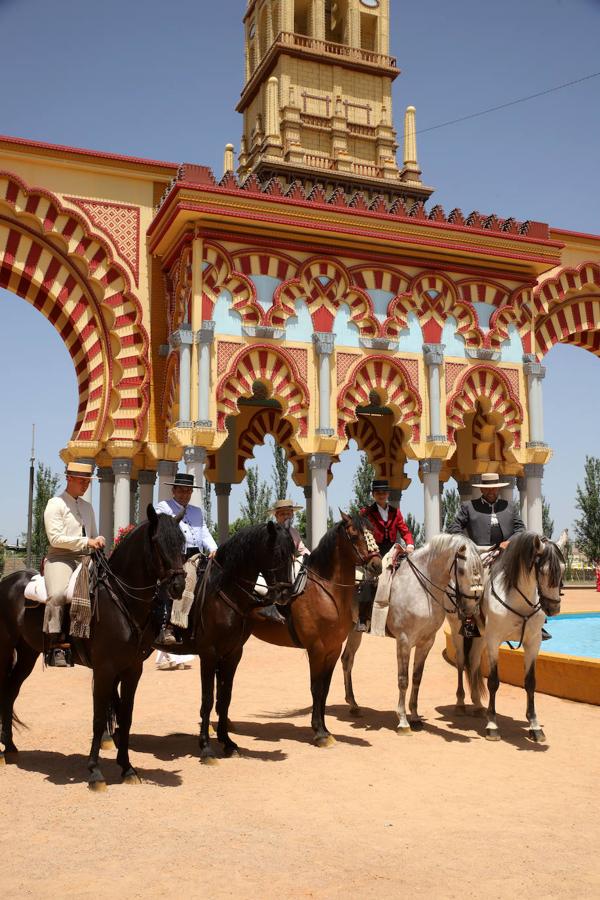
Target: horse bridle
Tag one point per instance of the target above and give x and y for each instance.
(543, 598)
(354, 539)
(454, 596)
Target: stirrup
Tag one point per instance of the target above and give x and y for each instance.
(272, 614)
(167, 637)
(59, 658)
(362, 627)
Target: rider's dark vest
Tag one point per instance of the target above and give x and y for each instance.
(386, 533)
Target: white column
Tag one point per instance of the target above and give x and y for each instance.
(194, 459)
(146, 481)
(122, 470)
(106, 477)
(433, 355)
(535, 373)
(430, 473)
(318, 464)
(204, 338)
(534, 474)
(223, 490)
(183, 340)
(507, 493)
(308, 502)
(166, 473)
(522, 488)
(324, 342)
(133, 487)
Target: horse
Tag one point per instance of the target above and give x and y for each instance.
(524, 586)
(320, 618)
(445, 577)
(220, 617)
(125, 622)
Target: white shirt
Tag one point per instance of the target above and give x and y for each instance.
(65, 519)
(383, 512)
(193, 525)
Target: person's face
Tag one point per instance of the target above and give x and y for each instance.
(490, 494)
(77, 486)
(381, 498)
(284, 515)
(182, 495)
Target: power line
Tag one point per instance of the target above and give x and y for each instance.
(484, 112)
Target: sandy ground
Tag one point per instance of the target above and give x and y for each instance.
(440, 813)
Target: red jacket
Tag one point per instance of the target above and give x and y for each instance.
(386, 533)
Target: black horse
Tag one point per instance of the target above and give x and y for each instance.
(126, 620)
(220, 623)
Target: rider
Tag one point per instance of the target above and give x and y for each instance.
(70, 526)
(389, 529)
(197, 538)
(283, 513)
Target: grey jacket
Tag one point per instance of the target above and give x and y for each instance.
(474, 519)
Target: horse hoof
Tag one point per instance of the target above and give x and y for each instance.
(403, 729)
(480, 712)
(209, 760)
(2, 760)
(97, 786)
(132, 778)
(537, 735)
(355, 711)
(493, 735)
(460, 710)
(232, 753)
(107, 744)
(324, 742)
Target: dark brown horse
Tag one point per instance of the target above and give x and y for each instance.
(126, 620)
(321, 617)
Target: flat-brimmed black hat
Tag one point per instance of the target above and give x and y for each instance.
(380, 484)
(183, 480)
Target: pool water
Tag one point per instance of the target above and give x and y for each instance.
(577, 634)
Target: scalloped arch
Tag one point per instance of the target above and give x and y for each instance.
(484, 382)
(264, 422)
(437, 299)
(51, 257)
(220, 275)
(380, 373)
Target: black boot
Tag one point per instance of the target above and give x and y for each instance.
(272, 614)
(167, 636)
(57, 653)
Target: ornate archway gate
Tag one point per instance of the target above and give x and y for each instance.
(177, 295)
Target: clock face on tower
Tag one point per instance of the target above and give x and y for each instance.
(371, 3)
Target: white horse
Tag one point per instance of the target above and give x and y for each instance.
(522, 588)
(445, 576)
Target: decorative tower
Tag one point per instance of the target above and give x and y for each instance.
(317, 103)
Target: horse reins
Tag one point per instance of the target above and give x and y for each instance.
(454, 596)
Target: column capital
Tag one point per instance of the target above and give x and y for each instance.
(433, 354)
(324, 342)
(147, 476)
(105, 473)
(222, 489)
(532, 368)
(533, 470)
(121, 466)
(319, 461)
(166, 468)
(193, 455)
(206, 334)
(183, 336)
(430, 466)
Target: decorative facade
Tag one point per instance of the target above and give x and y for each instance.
(312, 297)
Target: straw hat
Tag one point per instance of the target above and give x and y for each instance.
(282, 504)
(79, 470)
(491, 480)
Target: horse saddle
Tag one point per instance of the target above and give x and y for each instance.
(35, 590)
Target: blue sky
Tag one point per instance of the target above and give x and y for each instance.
(150, 80)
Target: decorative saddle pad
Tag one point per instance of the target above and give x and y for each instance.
(36, 591)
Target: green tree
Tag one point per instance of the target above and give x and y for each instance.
(301, 524)
(237, 524)
(587, 528)
(547, 522)
(258, 498)
(280, 473)
(450, 507)
(46, 484)
(361, 483)
(416, 529)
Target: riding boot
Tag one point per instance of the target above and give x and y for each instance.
(366, 596)
(166, 634)
(57, 651)
(272, 614)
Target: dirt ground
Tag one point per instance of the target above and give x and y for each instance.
(439, 813)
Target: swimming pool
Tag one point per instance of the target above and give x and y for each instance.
(576, 634)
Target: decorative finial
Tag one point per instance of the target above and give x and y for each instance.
(228, 159)
(410, 138)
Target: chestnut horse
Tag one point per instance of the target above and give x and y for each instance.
(321, 617)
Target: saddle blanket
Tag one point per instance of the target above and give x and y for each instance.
(36, 589)
(381, 605)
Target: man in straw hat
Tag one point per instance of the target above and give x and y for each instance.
(283, 513)
(70, 525)
(197, 539)
(489, 520)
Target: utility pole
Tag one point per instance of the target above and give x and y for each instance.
(30, 506)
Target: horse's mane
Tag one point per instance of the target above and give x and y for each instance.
(450, 543)
(322, 557)
(553, 556)
(234, 554)
(521, 553)
(169, 537)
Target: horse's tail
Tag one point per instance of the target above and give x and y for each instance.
(475, 678)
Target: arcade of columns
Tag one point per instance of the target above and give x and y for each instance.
(312, 298)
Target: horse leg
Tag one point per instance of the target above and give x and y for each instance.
(352, 645)
(207, 675)
(491, 730)
(421, 654)
(129, 683)
(531, 651)
(225, 675)
(403, 656)
(476, 684)
(321, 670)
(14, 678)
(111, 732)
(104, 682)
(459, 647)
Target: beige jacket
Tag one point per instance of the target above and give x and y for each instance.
(64, 520)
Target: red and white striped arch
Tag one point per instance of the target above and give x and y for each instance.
(277, 371)
(264, 422)
(392, 382)
(220, 275)
(568, 308)
(363, 432)
(479, 382)
(50, 257)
